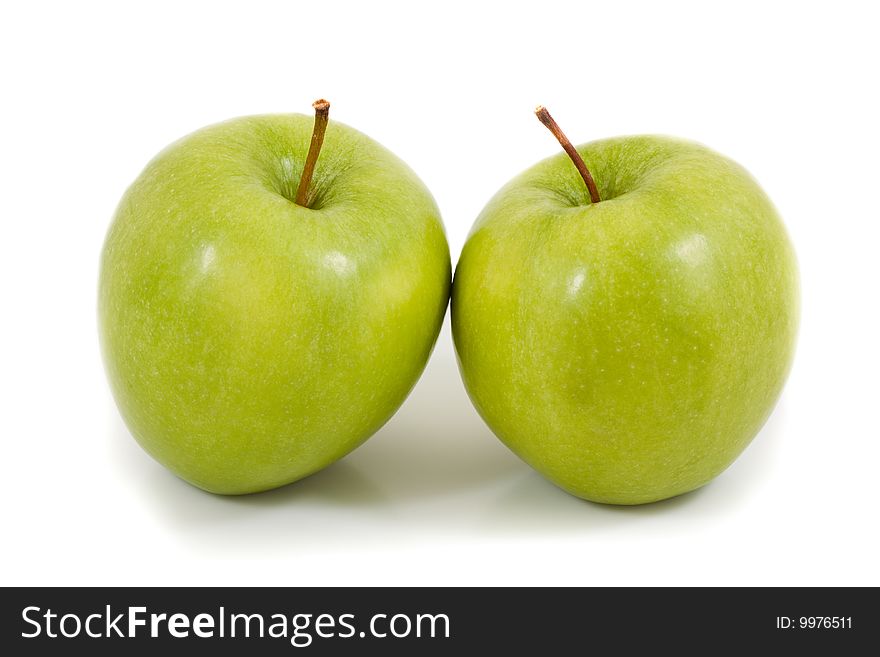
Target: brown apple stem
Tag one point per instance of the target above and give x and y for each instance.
(545, 118)
(322, 115)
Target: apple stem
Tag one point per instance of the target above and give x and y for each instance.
(322, 115)
(545, 118)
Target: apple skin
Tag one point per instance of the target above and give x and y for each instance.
(629, 350)
(250, 341)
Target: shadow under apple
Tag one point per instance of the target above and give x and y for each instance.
(531, 503)
(434, 469)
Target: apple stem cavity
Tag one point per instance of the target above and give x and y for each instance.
(322, 115)
(545, 118)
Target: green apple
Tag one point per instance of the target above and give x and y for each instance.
(251, 340)
(628, 349)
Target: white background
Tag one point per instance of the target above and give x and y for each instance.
(92, 91)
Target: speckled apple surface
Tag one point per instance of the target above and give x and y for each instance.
(628, 350)
(250, 341)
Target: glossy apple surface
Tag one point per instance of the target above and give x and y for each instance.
(628, 350)
(250, 341)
